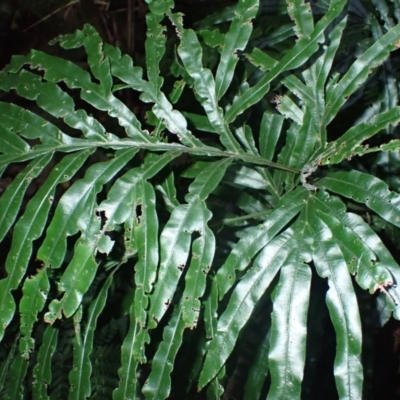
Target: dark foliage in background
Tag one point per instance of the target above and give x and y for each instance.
(216, 219)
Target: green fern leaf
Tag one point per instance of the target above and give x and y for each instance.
(158, 384)
(42, 374)
(258, 371)
(359, 72)
(29, 228)
(128, 384)
(257, 238)
(252, 285)
(364, 231)
(235, 39)
(270, 131)
(366, 189)
(79, 376)
(342, 304)
(190, 52)
(146, 233)
(77, 201)
(359, 255)
(35, 291)
(289, 327)
(176, 236)
(19, 368)
(349, 143)
(10, 201)
(300, 13)
(299, 54)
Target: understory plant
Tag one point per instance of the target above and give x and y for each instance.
(186, 228)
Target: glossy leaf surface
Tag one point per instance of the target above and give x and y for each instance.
(191, 217)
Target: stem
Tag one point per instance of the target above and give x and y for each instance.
(206, 150)
(229, 221)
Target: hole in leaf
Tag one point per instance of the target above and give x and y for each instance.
(138, 212)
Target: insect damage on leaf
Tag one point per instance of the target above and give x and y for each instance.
(155, 273)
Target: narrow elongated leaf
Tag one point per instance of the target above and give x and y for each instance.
(210, 311)
(29, 228)
(98, 95)
(358, 73)
(200, 122)
(306, 140)
(213, 38)
(343, 309)
(160, 7)
(270, 130)
(128, 384)
(176, 237)
(257, 237)
(191, 54)
(168, 191)
(316, 77)
(247, 177)
(346, 146)
(246, 138)
(289, 109)
(364, 231)
(155, 49)
(393, 145)
(90, 39)
(203, 249)
(235, 39)
(244, 297)
(122, 67)
(34, 296)
(77, 207)
(6, 364)
(367, 189)
(27, 124)
(78, 275)
(10, 142)
(299, 54)
(289, 327)
(300, 13)
(359, 257)
(18, 371)
(258, 371)
(42, 373)
(39, 151)
(10, 201)
(177, 92)
(281, 178)
(215, 388)
(56, 102)
(118, 207)
(158, 384)
(79, 376)
(296, 86)
(261, 59)
(146, 237)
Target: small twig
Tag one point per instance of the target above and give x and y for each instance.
(71, 3)
(229, 221)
